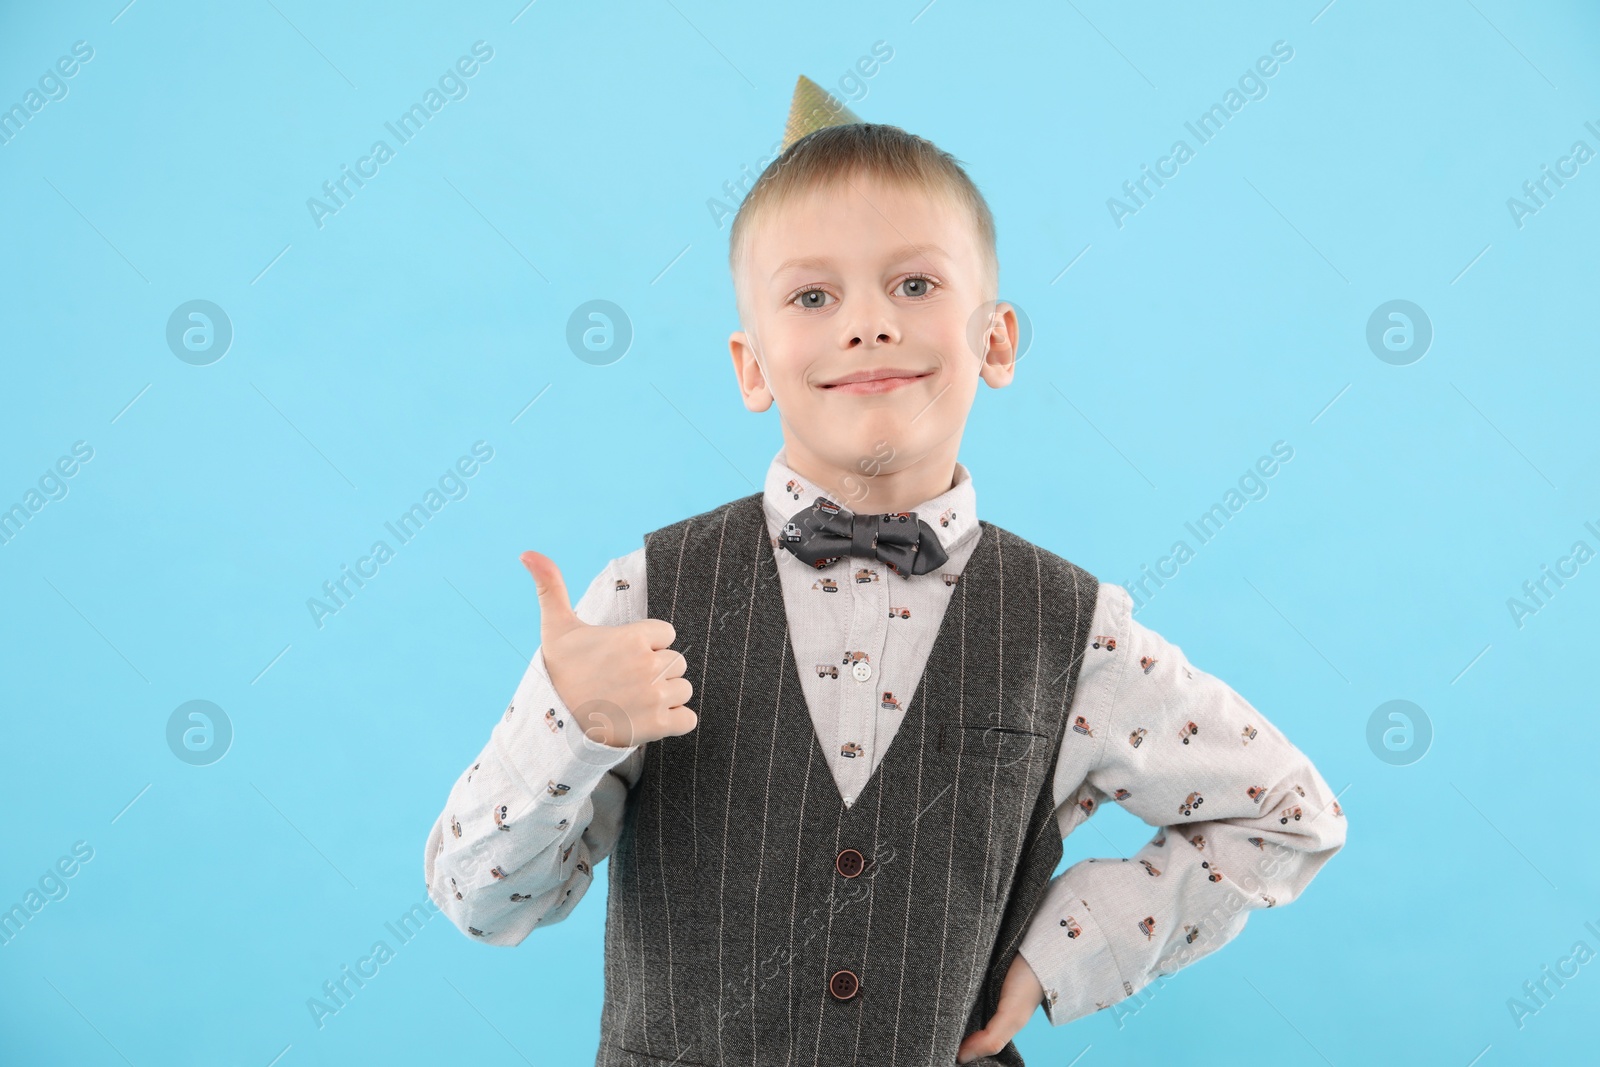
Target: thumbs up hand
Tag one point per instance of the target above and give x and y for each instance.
(624, 684)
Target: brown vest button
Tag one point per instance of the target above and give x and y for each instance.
(844, 984)
(850, 863)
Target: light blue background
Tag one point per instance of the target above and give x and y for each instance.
(1229, 313)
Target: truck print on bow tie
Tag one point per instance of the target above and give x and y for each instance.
(1102, 641)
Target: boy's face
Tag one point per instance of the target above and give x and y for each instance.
(869, 277)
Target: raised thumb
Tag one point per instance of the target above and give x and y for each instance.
(555, 609)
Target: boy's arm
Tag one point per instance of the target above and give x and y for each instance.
(524, 826)
(1246, 820)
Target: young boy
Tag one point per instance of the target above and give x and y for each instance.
(842, 851)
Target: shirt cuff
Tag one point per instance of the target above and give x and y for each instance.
(541, 744)
(1071, 956)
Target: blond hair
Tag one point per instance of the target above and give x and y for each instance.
(833, 154)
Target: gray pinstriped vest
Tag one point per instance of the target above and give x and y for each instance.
(735, 933)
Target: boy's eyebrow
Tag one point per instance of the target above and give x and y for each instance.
(822, 262)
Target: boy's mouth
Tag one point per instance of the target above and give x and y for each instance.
(881, 380)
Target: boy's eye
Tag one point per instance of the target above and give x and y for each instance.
(918, 285)
(804, 298)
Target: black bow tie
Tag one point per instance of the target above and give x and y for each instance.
(825, 532)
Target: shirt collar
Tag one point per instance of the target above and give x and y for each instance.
(953, 514)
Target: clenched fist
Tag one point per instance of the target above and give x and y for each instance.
(624, 684)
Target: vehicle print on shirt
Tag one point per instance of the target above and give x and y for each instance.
(1190, 933)
(1160, 840)
(455, 827)
(904, 613)
(475, 766)
(521, 898)
(556, 724)
(1338, 812)
(1259, 842)
(825, 585)
(567, 851)
(1271, 900)
(947, 516)
(475, 932)
(1247, 735)
(501, 813)
(1190, 802)
(1198, 841)
(498, 872)
(827, 670)
(456, 891)
(1256, 792)
(1102, 641)
(1122, 794)
(1087, 804)
(509, 709)
(1080, 725)
(854, 657)
(1137, 737)
(794, 488)
(1292, 812)
(1214, 875)
(850, 750)
(1187, 731)
(1297, 789)
(889, 703)
(950, 579)
(622, 585)
(1147, 927)
(866, 575)
(1150, 869)
(1072, 927)
(557, 789)
(1147, 662)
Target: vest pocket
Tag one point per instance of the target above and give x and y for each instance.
(991, 743)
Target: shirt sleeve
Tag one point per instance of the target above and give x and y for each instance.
(524, 826)
(1245, 819)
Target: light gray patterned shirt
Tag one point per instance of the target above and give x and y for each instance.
(1150, 731)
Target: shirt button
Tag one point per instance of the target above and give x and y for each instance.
(862, 670)
(843, 985)
(850, 863)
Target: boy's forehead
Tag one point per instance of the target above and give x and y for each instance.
(850, 218)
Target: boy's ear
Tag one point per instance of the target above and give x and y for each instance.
(998, 364)
(752, 380)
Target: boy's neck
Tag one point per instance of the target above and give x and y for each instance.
(866, 488)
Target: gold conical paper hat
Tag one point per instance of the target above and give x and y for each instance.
(812, 109)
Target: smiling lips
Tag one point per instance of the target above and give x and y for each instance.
(875, 381)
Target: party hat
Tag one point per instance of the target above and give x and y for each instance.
(814, 108)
